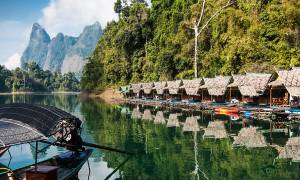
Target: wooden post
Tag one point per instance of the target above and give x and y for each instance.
(270, 96)
(230, 94)
(201, 95)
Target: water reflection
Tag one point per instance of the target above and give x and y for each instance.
(175, 144)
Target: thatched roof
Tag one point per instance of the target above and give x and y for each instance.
(136, 88)
(254, 84)
(173, 86)
(237, 80)
(250, 137)
(251, 84)
(291, 150)
(147, 115)
(160, 86)
(290, 79)
(159, 118)
(136, 114)
(192, 86)
(147, 87)
(215, 129)
(216, 86)
(191, 124)
(173, 120)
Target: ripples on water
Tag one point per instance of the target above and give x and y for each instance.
(174, 144)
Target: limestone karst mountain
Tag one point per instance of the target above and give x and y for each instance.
(61, 53)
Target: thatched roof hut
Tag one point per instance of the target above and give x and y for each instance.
(136, 88)
(290, 79)
(191, 87)
(251, 84)
(173, 120)
(216, 86)
(136, 114)
(215, 129)
(254, 84)
(237, 80)
(191, 124)
(147, 115)
(250, 138)
(159, 118)
(173, 86)
(291, 150)
(160, 86)
(147, 87)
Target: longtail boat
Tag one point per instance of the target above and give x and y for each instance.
(43, 125)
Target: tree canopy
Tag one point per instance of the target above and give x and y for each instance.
(33, 78)
(151, 43)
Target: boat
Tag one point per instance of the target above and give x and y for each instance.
(67, 165)
(29, 124)
(226, 110)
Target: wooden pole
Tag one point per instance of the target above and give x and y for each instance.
(201, 95)
(270, 96)
(230, 94)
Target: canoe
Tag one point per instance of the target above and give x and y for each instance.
(68, 164)
(224, 110)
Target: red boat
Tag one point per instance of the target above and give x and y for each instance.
(226, 110)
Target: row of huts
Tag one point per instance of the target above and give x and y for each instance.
(280, 88)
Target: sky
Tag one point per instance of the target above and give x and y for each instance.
(66, 16)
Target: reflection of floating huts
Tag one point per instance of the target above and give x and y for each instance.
(136, 114)
(173, 120)
(191, 125)
(147, 115)
(251, 87)
(215, 129)
(159, 118)
(291, 150)
(250, 138)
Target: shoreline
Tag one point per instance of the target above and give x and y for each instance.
(110, 96)
(38, 93)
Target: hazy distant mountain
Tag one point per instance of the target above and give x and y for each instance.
(62, 53)
(38, 46)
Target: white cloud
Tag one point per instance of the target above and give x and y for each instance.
(13, 39)
(13, 61)
(71, 16)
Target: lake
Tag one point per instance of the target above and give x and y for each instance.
(170, 144)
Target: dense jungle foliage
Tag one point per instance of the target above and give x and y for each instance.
(155, 42)
(35, 78)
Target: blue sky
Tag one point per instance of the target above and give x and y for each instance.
(66, 16)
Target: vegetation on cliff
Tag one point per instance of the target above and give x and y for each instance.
(151, 43)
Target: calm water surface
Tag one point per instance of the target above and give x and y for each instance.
(163, 152)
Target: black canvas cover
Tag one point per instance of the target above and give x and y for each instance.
(22, 123)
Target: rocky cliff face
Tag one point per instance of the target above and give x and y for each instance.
(62, 53)
(37, 49)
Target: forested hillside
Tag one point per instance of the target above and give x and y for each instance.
(151, 43)
(34, 78)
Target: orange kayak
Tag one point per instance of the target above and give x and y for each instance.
(224, 110)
